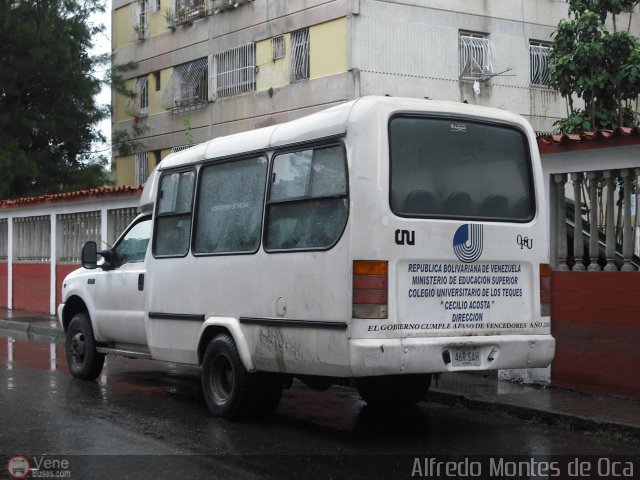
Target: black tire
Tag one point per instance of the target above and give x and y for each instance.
(393, 390)
(83, 360)
(229, 390)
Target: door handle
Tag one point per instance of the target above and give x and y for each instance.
(141, 282)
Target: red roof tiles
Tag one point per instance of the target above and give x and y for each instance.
(77, 195)
(621, 136)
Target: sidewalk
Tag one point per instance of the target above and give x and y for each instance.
(612, 417)
(29, 322)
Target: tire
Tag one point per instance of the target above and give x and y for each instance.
(83, 360)
(393, 390)
(229, 390)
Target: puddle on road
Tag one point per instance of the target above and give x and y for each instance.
(120, 378)
(18, 351)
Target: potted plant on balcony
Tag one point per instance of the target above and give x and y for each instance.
(140, 30)
(170, 18)
(182, 17)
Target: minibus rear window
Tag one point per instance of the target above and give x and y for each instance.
(446, 168)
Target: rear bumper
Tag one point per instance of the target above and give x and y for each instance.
(427, 355)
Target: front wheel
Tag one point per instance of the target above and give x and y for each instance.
(229, 390)
(393, 390)
(84, 361)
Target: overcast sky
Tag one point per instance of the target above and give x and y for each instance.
(102, 44)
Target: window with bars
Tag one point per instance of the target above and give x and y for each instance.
(140, 21)
(233, 71)
(142, 168)
(139, 104)
(187, 86)
(476, 55)
(189, 10)
(300, 55)
(539, 63)
(118, 220)
(32, 239)
(277, 47)
(74, 229)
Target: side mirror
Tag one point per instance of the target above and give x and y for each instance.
(111, 259)
(90, 255)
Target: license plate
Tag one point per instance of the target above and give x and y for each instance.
(465, 357)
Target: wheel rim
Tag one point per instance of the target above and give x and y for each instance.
(78, 348)
(221, 379)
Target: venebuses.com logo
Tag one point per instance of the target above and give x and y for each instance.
(19, 466)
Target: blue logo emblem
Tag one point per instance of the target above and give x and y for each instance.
(467, 243)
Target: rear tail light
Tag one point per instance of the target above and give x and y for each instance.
(370, 288)
(545, 290)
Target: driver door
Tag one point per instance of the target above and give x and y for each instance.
(120, 288)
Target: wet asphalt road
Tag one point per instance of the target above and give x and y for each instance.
(145, 419)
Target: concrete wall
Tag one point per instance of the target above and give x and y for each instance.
(61, 272)
(31, 286)
(597, 328)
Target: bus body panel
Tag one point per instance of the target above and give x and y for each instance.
(260, 289)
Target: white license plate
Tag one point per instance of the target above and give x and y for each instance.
(465, 357)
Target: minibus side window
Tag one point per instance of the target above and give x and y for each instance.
(173, 217)
(307, 206)
(229, 210)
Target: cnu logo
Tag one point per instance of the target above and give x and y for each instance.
(467, 243)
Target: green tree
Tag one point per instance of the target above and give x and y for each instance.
(48, 110)
(599, 66)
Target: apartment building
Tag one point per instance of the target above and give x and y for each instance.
(214, 67)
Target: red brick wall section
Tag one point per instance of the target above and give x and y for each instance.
(61, 272)
(4, 279)
(31, 287)
(596, 322)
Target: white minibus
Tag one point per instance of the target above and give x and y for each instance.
(379, 241)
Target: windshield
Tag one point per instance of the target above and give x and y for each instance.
(450, 168)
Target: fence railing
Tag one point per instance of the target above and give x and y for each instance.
(596, 214)
(74, 229)
(41, 239)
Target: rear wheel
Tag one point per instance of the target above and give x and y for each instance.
(229, 390)
(393, 390)
(83, 359)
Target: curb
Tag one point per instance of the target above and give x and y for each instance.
(30, 329)
(557, 419)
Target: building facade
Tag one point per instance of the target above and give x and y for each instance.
(207, 68)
